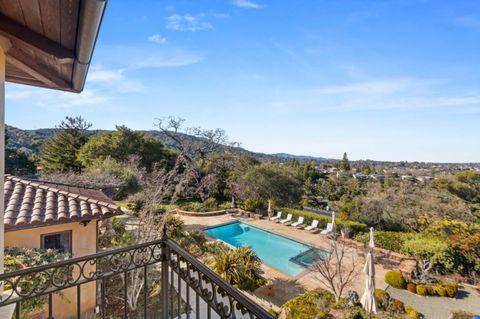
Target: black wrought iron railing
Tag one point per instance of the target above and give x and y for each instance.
(158, 279)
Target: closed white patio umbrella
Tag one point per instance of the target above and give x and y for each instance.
(334, 226)
(368, 298)
(371, 243)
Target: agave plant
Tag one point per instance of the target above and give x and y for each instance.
(239, 267)
(227, 266)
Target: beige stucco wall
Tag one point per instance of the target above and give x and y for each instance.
(84, 242)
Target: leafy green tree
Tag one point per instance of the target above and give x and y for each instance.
(366, 169)
(17, 162)
(122, 144)
(430, 251)
(59, 153)
(344, 164)
(269, 182)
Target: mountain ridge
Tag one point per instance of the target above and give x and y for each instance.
(30, 141)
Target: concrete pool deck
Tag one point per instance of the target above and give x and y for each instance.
(286, 287)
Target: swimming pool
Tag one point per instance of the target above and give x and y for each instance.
(289, 256)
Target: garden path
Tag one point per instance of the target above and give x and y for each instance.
(439, 307)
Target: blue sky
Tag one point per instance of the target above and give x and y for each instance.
(384, 80)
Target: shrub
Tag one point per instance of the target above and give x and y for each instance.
(396, 306)
(451, 289)
(460, 314)
(439, 290)
(211, 203)
(357, 313)
(412, 313)
(412, 287)
(313, 304)
(385, 239)
(395, 279)
(253, 204)
(175, 227)
(382, 297)
(273, 312)
(193, 207)
(421, 290)
(430, 291)
(239, 267)
(20, 258)
(432, 248)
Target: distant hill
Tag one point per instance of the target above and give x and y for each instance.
(299, 157)
(31, 140)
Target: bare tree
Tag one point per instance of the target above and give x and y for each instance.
(338, 271)
(146, 226)
(194, 145)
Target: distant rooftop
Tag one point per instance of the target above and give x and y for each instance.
(30, 203)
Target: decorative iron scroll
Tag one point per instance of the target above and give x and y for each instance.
(41, 280)
(220, 297)
(224, 299)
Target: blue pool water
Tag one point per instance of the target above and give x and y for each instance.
(274, 250)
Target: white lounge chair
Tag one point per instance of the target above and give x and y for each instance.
(327, 230)
(313, 226)
(299, 222)
(276, 218)
(287, 220)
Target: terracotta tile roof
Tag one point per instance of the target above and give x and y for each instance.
(30, 202)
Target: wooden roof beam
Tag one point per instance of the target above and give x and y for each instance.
(37, 42)
(20, 60)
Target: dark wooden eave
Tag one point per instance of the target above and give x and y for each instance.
(52, 40)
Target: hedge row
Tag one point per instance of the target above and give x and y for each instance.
(355, 227)
(395, 279)
(387, 239)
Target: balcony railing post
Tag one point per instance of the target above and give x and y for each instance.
(164, 285)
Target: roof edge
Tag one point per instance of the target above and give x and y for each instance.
(90, 20)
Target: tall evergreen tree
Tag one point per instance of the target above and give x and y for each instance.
(344, 163)
(59, 153)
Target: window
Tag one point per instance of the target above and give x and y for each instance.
(59, 241)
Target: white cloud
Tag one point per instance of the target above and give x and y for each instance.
(246, 4)
(188, 22)
(53, 99)
(376, 87)
(168, 60)
(99, 75)
(141, 57)
(375, 95)
(221, 15)
(157, 38)
(113, 80)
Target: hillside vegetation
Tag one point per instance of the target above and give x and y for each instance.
(417, 206)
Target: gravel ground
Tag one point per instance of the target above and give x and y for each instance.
(439, 307)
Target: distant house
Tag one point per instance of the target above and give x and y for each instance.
(424, 179)
(360, 177)
(408, 178)
(63, 217)
(376, 177)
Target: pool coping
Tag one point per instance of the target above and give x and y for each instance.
(296, 277)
